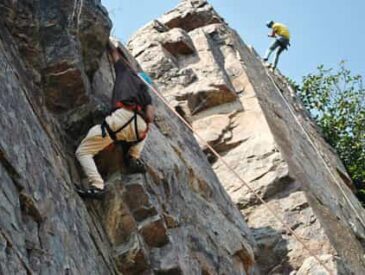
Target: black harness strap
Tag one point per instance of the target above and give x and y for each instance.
(105, 128)
(136, 126)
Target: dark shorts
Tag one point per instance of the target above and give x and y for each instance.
(281, 42)
(284, 42)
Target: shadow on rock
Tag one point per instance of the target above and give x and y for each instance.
(272, 251)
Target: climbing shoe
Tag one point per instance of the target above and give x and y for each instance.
(135, 166)
(91, 193)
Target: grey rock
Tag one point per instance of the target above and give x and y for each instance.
(190, 15)
(62, 43)
(56, 82)
(246, 120)
(312, 266)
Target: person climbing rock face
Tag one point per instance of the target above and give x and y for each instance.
(282, 40)
(129, 122)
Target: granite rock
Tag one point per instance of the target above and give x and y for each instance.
(254, 120)
(56, 82)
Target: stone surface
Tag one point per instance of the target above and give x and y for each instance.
(311, 266)
(56, 82)
(191, 14)
(62, 41)
(177, 42)
(247, 121)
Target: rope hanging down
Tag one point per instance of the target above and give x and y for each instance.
(317, 151)
(76, 13)
(286, 226)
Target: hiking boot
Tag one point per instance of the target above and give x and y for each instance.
(91, 193)
(135, 166)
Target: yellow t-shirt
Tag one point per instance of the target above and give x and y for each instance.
(281, 30)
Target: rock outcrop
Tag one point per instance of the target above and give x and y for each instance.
(178, 218)
(56, 82)
(253, 119)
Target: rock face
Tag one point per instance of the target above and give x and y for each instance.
(56, 82)
(253, 119)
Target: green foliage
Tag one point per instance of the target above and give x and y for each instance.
(336, 101)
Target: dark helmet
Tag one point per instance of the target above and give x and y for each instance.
(269, 23)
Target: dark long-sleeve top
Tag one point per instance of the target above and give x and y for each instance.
(129, 88)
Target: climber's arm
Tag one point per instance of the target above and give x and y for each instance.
(149, 113)
(272, 34)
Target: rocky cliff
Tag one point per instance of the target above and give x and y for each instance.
(179, 218)
(55, 83)
(253, 119)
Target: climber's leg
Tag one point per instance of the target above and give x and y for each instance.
(92, 144)
(128, 134)
(278, 52)
(135, 150)
(134, 164)
(272, 48)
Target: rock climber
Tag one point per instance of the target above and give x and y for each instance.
(129, 122)
(282, 40)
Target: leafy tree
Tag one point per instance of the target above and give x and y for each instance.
(336, 101)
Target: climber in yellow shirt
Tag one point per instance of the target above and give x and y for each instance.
(282, 40)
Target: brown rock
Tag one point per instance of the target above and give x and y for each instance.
(190, 15)
(177, 41)
(45, 227)
(312, 266)
(236, 106)
(154, 232)
(131, 258)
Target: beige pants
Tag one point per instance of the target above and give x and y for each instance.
(93, 143)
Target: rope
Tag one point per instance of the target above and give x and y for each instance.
(287, 227)
(243, 182)
(317, 151)
(79, 14)
(76, 12)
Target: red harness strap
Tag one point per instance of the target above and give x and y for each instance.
(135, 107)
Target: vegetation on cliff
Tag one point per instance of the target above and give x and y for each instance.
(335, 99)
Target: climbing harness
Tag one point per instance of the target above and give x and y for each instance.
(105, 128)
(136, 109)
(284, 42)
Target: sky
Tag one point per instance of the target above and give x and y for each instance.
(323, 31)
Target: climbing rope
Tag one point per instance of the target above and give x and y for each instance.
(317, 150)
(76, 12)
(215, 153)
(286, 226)
(79, 13)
